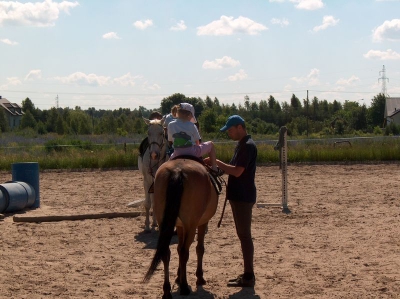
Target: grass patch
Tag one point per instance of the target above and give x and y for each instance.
(85, 154)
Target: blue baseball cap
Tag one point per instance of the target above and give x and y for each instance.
(233, 120)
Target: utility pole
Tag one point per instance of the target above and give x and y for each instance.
(57, 101)
(307, 113)
(383, 78)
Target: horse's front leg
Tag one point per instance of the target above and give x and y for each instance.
(147, 207)
(201, 232)
(154, 224)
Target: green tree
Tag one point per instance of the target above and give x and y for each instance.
(208, 120)
(28, 121)
(60, 126)
(41, 128)
(4, 126)
(27, 105)
(247, 103)
(51, 121)
(377, 110)
(295, 105)
(168, 102)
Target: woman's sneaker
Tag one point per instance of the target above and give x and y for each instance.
(235, 279)
(241, 282)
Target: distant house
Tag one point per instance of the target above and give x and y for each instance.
(392, 111)
(13, 112)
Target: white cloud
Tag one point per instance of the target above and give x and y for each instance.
(327, 21)
(147, 86)
(241, 75)
(11, 81)
(282, 22)
(220, 63)
(38, 14)
(353, 79)
(8, 42)
(111, 35)
(142, 25)
(308, 4)
(229, 26)
(389, 54)
(277, 1)
(33, 75)
(179, 26)
(311, 79)
(389, 30)
(84, 79)
(126, 80)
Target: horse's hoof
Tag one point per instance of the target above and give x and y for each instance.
(184, 290)
(201, 281)
(167, 296)
(147, 231)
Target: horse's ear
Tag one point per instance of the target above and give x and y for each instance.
(147, 121)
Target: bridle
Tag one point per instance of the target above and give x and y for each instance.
(161, 158)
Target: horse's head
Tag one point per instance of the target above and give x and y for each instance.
(156, 137)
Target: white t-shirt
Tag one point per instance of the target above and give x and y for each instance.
(168, 119)
(183, 133)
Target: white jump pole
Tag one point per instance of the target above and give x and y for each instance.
(282, 147)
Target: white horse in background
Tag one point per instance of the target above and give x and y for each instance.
(154, 155)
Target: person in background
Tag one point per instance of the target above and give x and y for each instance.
(171, 116)
(241, 193)
(185, 137)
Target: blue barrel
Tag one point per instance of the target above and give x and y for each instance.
(3, 202)
(28, 172)
(16, 196)
(30, 192)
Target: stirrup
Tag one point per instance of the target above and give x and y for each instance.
(218, 172)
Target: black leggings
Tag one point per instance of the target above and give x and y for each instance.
(242, 214)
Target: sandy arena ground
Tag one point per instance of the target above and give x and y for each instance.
(341, 240)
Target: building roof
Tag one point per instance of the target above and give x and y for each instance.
(12, 108)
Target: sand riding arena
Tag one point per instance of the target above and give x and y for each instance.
(341, 239)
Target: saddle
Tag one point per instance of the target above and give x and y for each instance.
(216, 180)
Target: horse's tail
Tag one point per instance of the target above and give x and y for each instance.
(171, 211)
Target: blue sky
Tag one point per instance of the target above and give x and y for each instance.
(128, 53)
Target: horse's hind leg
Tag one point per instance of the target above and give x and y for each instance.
(179, 231)
(183, 259)
(201, 232)
(167, 285)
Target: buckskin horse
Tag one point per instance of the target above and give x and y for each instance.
(154, 155)
(185, 197)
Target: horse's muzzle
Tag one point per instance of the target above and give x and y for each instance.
(155, 155)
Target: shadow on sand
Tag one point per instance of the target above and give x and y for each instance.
(150, 239)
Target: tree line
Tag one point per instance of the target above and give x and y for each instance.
(302, 118)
